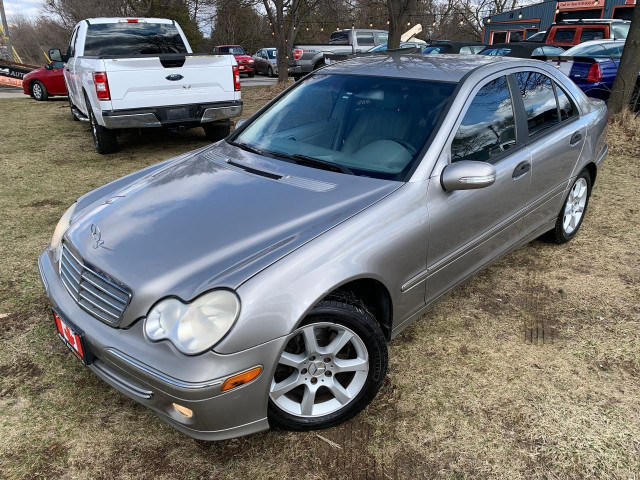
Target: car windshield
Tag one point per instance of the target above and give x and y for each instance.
(271, 53)
(365, 126)
(620, 31)
(600, 50)
(133, 39)
(496, 52)
(234, 49)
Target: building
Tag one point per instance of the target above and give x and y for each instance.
(519, 24)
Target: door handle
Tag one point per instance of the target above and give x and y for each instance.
(575, 138)
(521, 169)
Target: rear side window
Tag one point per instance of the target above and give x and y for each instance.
(539, 101)
(383, 37)
(564, 35)
(566, 106)
(365, 39)
(133, 38)
(488, 128)
(591, 34)
(339, 38)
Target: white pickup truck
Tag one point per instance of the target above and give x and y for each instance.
(141, 73)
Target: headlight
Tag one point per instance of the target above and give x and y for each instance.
(58, 233)
(193, 327)
(250, 61)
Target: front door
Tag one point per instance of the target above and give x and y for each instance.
(471, 227)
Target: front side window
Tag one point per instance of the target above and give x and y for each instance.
(496, 52)
(488, 128)
(591, 34)
(365, 39)
(133, 38)
(373, 126)
(539, 99)
(564, 35)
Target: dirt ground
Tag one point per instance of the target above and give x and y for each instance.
(529, 370)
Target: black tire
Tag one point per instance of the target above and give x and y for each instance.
(270, 72)
(252, 74)
(559, 235)
(217, 131)
(39, 91)
(73, 115)
(104, 140)
(345, 312)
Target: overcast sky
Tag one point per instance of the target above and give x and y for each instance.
(28, 8)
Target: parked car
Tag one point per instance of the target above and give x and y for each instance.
(574, 32)
(45, 82)
(521, 50)
(537, 37)
(463, 48)
(405, 47)
(266, 61)
(257, 281)
(593, 66)
(141, 73)
(245, 61)
(383, 47)
(309, 57)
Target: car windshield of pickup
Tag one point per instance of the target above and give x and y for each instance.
(360, 125)
(234, 49)
(133, 39)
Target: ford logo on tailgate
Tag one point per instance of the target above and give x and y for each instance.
(174, 77)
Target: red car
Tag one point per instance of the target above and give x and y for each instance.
(245, 62)
(45, 82)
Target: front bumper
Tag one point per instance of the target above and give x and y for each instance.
(245, 68)
(171, 116)
(157, 375)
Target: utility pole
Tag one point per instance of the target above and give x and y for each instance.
(7, 38)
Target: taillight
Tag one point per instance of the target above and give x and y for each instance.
(132, 20)
(595, 74)
(102, 85)
(236, 78)
(297, 53)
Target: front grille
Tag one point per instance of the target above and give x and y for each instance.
(93, 291)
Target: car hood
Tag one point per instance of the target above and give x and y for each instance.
(213, 219)
(244, 58)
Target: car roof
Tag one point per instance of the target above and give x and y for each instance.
(522, 47)
(444, 68)
(590, 21)
(98, 20)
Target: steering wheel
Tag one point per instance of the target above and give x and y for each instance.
(406, 145)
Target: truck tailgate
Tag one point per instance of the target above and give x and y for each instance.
(140, 82)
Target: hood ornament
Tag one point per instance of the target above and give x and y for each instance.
(97, 236)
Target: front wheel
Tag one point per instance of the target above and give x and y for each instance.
(572, 213)
(252, 74)
(331, 368)
(270, 72)
(39, 91)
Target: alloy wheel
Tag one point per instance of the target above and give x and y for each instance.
(323, 367)
(37, 91)
(574, 206)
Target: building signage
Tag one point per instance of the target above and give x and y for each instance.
(580, 5)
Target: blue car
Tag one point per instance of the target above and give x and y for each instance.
(592, 66)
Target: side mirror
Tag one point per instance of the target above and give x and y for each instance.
(48, 66)
(55, 55)
(467, 175)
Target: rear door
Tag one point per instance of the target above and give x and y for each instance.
(555, 137)
(69, 68)
(471, 227)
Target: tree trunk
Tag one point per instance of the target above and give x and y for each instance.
(627, 77)
(283, 62)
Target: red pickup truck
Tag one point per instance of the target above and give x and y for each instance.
(573, 32)
(245, 62)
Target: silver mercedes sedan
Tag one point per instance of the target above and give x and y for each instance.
(256, 282)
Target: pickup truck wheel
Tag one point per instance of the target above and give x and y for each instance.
(39, 91)
(104, 139)
(217, 131)
(331, 368)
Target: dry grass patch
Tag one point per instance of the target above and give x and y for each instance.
(471, 391)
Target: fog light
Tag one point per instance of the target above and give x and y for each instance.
(241, 378)
(183, 410)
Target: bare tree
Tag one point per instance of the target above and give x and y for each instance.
(285, 17)
(400, 12)
(626, 82)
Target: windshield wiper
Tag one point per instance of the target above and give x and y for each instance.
(248, 148)
(313, 162)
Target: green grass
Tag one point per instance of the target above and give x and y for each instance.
(470, 393)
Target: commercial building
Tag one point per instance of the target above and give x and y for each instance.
(519, 24)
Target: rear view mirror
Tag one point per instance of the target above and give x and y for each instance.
(55, 55)
(467, 175)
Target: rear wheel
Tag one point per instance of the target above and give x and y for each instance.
(217, 131)
(331, 368)
(104, 139)
(572, 214)
(39, 91)
(269, 72)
